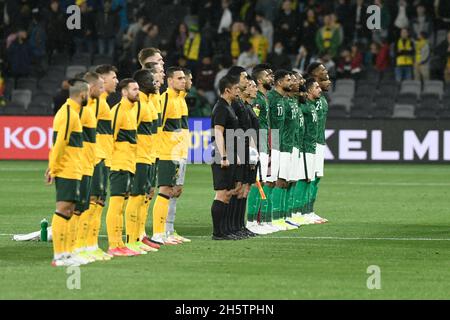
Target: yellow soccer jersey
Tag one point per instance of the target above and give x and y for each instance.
(125, 131)
(104, 137)
(89, 124)
(171, 139)
(144, 118)
(66, 152)
(156, 100)
(185, 127)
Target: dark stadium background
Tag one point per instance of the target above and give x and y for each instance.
(38, 54)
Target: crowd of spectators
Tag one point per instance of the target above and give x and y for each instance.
(209, 36)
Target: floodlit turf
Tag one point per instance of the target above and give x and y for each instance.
(383, 215)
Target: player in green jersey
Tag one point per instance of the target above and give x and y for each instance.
(280, 149)
(311, 127)
(320, 74)
(259, 214)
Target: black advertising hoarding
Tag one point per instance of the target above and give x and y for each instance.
(390, 140)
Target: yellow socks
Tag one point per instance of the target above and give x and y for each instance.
(96, 226)
(142, 217)
(131, 217)
(86, 219)
(160, 210)
(72, 233)
(60, 226)
(114, 221)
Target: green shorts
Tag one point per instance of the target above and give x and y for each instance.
(67, 190)
(141, 183)
(168, 171)
(100, 181)
(152, 176)
(120, 183)
(85, 194)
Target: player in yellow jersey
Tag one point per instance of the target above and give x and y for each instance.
(155, 97)
(137, 209)
(178, 189)
(95, 109)
(78, 225)
(123, 165)
(150, 55)
(170, 143)
(104, 143)
(65, 170)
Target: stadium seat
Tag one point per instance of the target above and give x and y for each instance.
(22, 97)
(381, 113)
(446, 102)
(27, 84)
(407, 98)
(101, 59)
(365, 90)
(49, 83)
(384, 102)
(426, 113)
(404, 111)
(337, 111)
(342, 100)
(444, 114)
(362, 102)
(434, 87)
(13, 108)
(388, 90)
(81, 59)
(42, 99)
(411, 86)
(359, 113)
(345, 87)
(60, 59)
(10, 85)
(55, 75)
(38, 110)
(72, 71)
(430, 100)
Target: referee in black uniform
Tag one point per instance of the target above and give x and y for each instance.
(223, 120)
(238, 202)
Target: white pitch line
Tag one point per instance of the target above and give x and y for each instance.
(316, 238)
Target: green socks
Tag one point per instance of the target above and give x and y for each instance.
(266, 205)
(254, 200)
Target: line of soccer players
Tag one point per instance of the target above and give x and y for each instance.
(283, 116)
(139, 144)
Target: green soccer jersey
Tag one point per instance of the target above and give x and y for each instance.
(301, 129)
(311, 128)
(261, 107)
(291, 124)
(276, 116)
(322, 112)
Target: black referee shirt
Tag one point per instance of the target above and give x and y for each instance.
(223, 115)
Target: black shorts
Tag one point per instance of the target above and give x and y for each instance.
(167, 173)
(249, 174)
(239, 173)
(85, 194)
(223, 178)
(141, 182)
(99, 186)
(152, 176)
(121, 183)
(67, 190)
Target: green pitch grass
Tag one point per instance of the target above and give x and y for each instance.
(393, 216)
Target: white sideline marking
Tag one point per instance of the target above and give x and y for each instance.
(316, 238)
